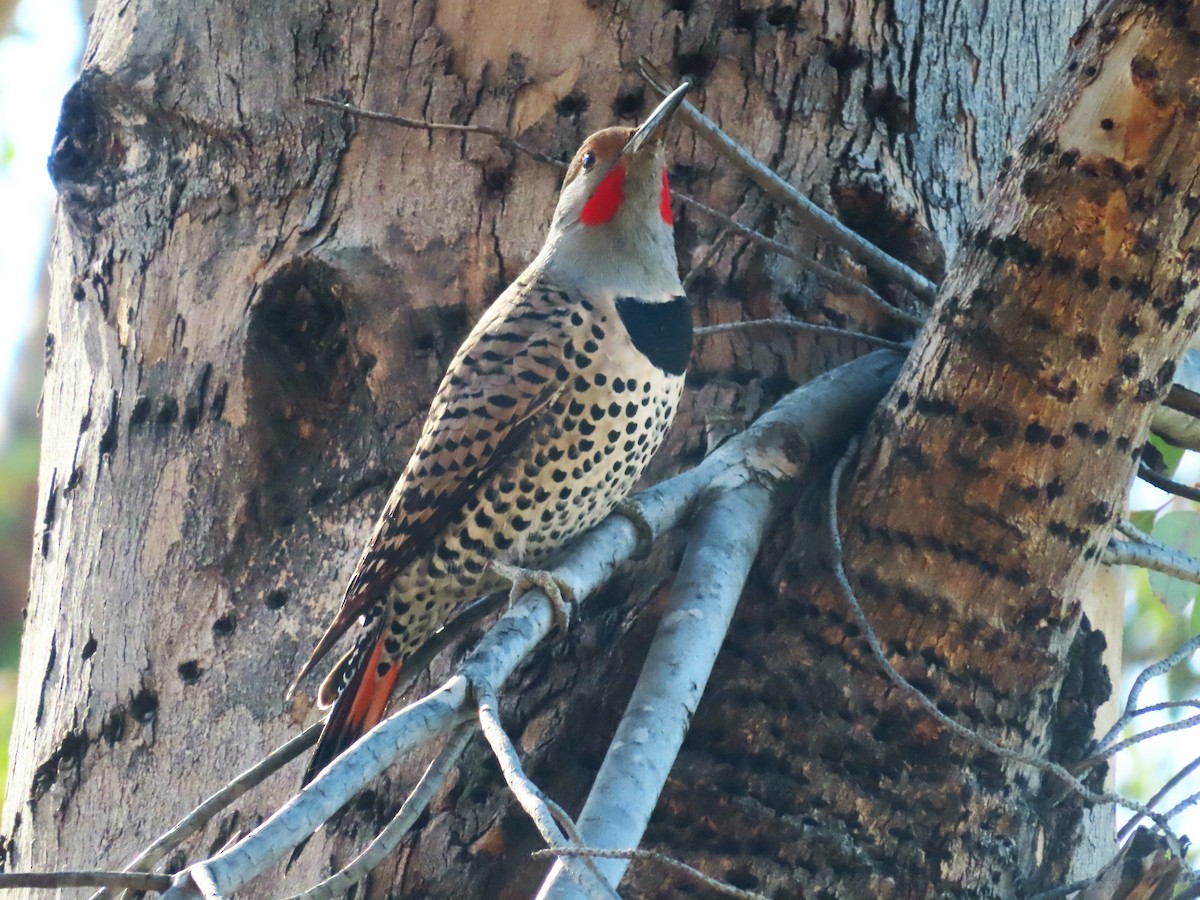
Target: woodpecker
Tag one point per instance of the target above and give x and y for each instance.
(545, 419)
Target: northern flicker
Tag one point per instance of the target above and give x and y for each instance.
(545, 419)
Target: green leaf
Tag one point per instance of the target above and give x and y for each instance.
(1179, 529)
(1170, 453)
(1143, 519)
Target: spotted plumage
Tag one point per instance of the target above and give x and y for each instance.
(545, 419)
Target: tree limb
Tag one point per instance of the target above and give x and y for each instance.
(130, 881)
(1155, 557)
(589, 880)
(386, 842)
(195, 821)
(956, 727)
(722, 548)
(720, 887)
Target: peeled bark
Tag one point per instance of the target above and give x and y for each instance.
(254, 299)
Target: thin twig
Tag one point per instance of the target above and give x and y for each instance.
(571, 830)
(1167, 704)
(528, 794)
(1167, 560)
(120, 881)
(1131, 531)
(1138, 738)
(822, 223)
(1161, 667)
(709, 255)
(721, 887)
(1064, 890)
(1169, 786)
(496, 134)
(824, 273)
(1163, 483)
(386, 842)
(1186, 803)
(198, 818)
(1017, 756)
(1097, 758)
(794, 325)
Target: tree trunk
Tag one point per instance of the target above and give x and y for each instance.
(254, 299)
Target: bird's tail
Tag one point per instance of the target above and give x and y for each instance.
(359, 689)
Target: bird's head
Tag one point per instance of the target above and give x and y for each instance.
(613, 222)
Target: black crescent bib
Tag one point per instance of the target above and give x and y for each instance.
(662, 332)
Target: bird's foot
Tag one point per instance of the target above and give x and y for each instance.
(561, 594)
(632, 510)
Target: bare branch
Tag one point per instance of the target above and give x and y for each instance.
(818, 220)
(128, 881)
(1162, 792)
(1155, 557)
(824, 273)
(1163, 483)
(1177, 418)
(1161, 667)
(813, 419)
(795, 325)
(199, 817)
(505, 140)
(1186, 803)
(662, 859)
(528, 794)
(1181, 725)
(386, 842)
(724, 543)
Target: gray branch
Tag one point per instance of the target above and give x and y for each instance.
(386, 842)
(725, 541)
(536, 804)
(1142, 549)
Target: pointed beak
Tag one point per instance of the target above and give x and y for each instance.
(652, 129)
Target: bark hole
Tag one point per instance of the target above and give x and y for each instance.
(629, 102)
(68, 757)
(305, 384)
(572, 105)
(144, 706)
(83, 145)
(190, 671)
(113, 728)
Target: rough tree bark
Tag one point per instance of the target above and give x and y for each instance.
(253, 301)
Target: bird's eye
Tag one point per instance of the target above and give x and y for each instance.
(589, 160)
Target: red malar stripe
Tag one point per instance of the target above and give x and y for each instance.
(664, 204)
(606, 199)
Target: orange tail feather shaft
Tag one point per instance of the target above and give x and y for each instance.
(358, 708)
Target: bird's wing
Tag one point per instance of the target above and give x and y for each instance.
(513, 365)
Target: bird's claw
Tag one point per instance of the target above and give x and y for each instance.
(561, 595)
(632, 510)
